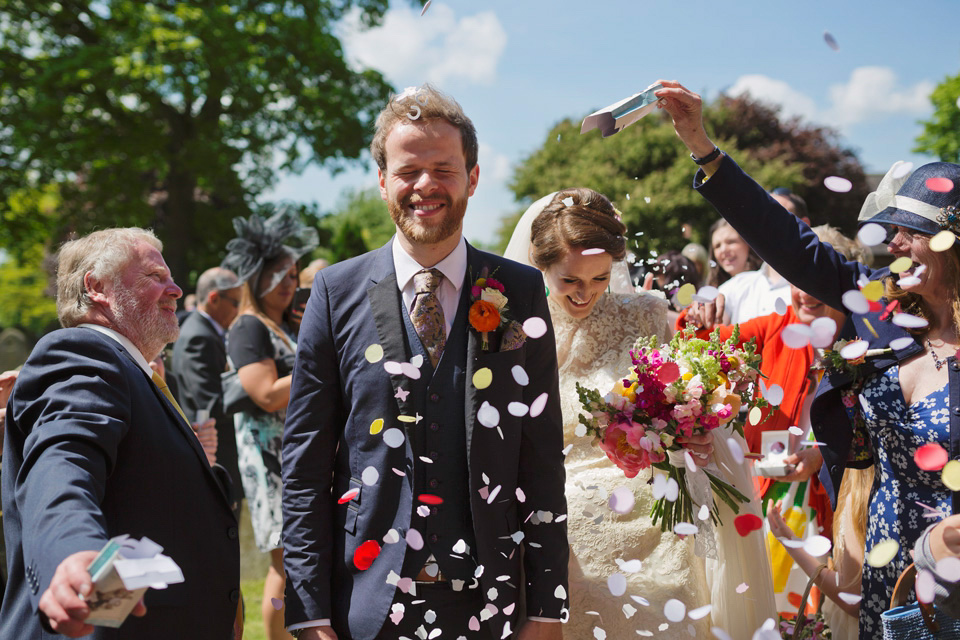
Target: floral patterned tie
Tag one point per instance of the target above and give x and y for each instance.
(427, 313)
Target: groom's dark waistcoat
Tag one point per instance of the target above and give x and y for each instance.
(440, 437)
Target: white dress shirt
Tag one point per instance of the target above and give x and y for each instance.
(454, 270)
(125, 343)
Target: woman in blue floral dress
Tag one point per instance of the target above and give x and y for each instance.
(903, 391)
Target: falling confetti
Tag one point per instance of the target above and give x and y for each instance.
(837, 184)
(949, 568)
(831, 41)
(774, 395)
(393, 438)
(426, 6)
(703, 513)
(873, 291)
(700, 612)
(940, 185)
(908, 321)
(931, 457)
(951, 475)
(685, 529)
(373, 354)
(592, 252)
(517, 409)
(630, 566)
(617, 583)
(901, 343)
(685, 294)
(393, 368)
(854, 350)
(488, 415)
(797, 431)
(520, 375)
(872, 234)
(391, 537)
(882, 553)
(365, 554)
(482, 378)
(414, 539)
(817, 546)
(901, 264)
(674, 610)
(534, 327)
(942, 241)
(780, 306)
(742, 587)
(277, 603)
(706, 294)
(855, 302)
(850, 598)
(824, 329)
(755, 415)
(672, 491)
(747, 523)
(735, 450)
(348, 496)
(796, 336)
(621, 500)
(538, 405)
(376, 426)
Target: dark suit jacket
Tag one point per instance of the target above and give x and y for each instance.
(199, 357)
(94, 450)
(794, 250)
(328, 443)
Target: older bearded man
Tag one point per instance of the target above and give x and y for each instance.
(97, 447)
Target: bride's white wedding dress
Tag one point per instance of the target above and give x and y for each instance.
(595, 352)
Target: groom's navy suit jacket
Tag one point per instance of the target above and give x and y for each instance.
(94, 450)
(332, 435)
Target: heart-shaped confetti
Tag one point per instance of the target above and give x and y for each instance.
(365, 554)
(277, 603)
(931, 457)
(746, 523)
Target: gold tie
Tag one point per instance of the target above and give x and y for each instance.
(165, 390)
(427, 315)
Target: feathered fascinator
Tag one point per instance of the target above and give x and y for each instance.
(262, 241)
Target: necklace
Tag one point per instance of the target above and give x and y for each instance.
(937, 361)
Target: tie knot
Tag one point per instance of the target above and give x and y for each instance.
(427, 280)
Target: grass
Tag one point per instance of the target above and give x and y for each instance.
(252, 593)
(253, 571)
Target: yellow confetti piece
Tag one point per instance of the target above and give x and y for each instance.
(942, 241)
(873, 291)
(374, 353)
(870, 327)
(406, 419)
(900, 264)
(376, 426)
(882, 553)
(755, 414)
(951, 475)
(482, 378)
(685, 294)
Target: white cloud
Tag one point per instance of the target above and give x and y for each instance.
(871, 93)
(436, 47)
(494, 167)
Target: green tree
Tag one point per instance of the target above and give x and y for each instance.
(172, 114)
(360, 223)
(24, 298)
(647, 173)
(941, 133)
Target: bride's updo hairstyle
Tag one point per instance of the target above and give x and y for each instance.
(576, 219)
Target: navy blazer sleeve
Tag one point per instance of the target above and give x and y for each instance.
(197, 365)
(779, 237)
(311, 432)
(70, 410)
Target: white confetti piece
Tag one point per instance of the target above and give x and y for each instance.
(560, 593)
(780, 306)
(908, 281)
(837, 184)
(797, 431)
(674, 610)
(521, 496)
(599, 634)
(685, 529)
(720, 634)
(901, 343)
(370, 476)
(592, 252)
(393, 368)
(617, 583)
(706, 294)
(534, 327)
(520, 375)
(488, 415)
(742, 587)
(517, 409)
(391, 537)
(672, 490)
(850, 598)
(700, 612)
(629, 566)
(855, 302)
(926, 586)
(628, 610)
(774, 395)
(393, 438)
(640, 600)
(568, 201)
(688, 460)
(703, 513)
(817, 546)
(493, 494)
(621, 500)
(735, 450)
(538, 405)
(796, 336)
(872, 234)
(908, 321)
(854, 350)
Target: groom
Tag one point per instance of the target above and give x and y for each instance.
(422, 457)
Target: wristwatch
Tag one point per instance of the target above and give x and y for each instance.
(710, 157)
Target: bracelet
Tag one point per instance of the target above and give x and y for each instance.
(710, 157)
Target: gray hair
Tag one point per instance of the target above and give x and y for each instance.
(102, 254)
(215, 279)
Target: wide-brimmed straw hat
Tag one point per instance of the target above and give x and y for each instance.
(927, 201)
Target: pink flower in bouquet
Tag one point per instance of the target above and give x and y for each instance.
(709, 421)
(495, 284)
(616, 445)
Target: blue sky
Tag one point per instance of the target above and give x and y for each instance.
(520, 66)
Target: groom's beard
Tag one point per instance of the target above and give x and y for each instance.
(420, 233)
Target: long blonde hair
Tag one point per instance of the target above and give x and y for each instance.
(853, 497)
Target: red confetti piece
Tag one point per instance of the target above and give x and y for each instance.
(890, 309)
(931, 457)
(940, 185)
(365, 554)
(874, 305)
(747, 522)
(348, 496)
(668, 372)
(429, 498)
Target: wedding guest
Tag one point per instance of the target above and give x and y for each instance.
(939, 541)
(880, 410)
(96, 446)
(262, 348)
(595, 331)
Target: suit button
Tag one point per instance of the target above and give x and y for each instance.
(434, 397)
(955, 365)
(956, 411)
(434, 538)
(434, 426)
(434, 511)
(232, 533)
(234, 596)
(834, 468)
(434, 483)
(434, 455)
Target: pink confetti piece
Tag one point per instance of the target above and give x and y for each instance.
(538, 405)
(855, 302)
(621, 500)
(854, 350)
(414, 539)
(824, 330)
(949, 568)
(940, 185)
(931, 457)
(409, 370)
(837, 184)
(426, 6)
(742, 587)
(796, 336)
(277, 603)
(926, 586)
(668, 372)
(534, 327)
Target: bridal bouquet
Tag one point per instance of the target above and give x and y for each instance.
(689, 386)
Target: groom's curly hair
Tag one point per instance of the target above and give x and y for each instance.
(576, 219)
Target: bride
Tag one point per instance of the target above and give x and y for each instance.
(576, 239)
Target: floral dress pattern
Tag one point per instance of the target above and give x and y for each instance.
(900, 486)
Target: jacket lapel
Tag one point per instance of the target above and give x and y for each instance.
(470, 402)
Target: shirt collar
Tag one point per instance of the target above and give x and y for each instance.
(216, 325)
(453, 266)
(124, 342)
